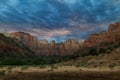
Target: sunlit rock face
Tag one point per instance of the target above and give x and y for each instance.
(110, 36)
(25, 38)
(64, 48)
(71, 45)
(12, 48)
(114, 27)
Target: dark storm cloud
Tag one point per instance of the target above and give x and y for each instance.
(58, 19)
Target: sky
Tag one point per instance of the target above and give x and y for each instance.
(58, 19)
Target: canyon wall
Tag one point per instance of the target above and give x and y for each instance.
(110, 36)
(43, 47)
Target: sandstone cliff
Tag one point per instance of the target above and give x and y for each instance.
(110, 36)
(43, 47)
(25, 38)
(10, 48)
(65, 48)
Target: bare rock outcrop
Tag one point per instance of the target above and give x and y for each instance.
(110, 36)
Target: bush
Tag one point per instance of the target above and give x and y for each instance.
(93, 52)
(78, 65)
(111, 66)
(24, 68)
(9, 67)
(42, 66)
(53, 61)
(102, 50)
(2, 73)
(22, 61)
(54, 67)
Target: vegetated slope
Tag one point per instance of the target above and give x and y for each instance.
(103, 48)
(106, 59)
(13, 52)
(11, 48)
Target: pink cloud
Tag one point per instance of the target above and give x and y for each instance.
(50, 33)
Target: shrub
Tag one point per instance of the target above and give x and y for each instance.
(111, 66)
(24, 68)
(78, 65)
(102, 50)
(9, 67)
(54, 67)
(9, 71)
(93, 52)
(2, 73)
(52, 61)
(42, 66)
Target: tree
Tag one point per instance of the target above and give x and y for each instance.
(93, 52)
(102, 50)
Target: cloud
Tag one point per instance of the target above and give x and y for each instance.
(59, 19)
(50, 33)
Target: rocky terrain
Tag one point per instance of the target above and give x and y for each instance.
(110, 36)
(25, 38)
(43, 47)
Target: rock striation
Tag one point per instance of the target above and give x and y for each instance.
(64, 48)
(43, 47)
(110, 36)
(25, 38)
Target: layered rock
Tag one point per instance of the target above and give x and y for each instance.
(43, 47)
(65, 48)
(25, 38)
(70, 46)
(110, 36)
(10, 48)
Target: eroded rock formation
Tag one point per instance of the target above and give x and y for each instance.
(110, 36)
(43, 47)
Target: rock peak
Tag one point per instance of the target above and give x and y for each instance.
(112, 35)
(114, 27)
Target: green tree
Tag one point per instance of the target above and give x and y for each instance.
(93, 52)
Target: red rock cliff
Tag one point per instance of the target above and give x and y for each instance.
(43, 47)
(110, 36)
(65, 48)
(27, 39)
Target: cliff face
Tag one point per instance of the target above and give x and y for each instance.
(9, 47)
(110, 36)
(27, 39)
(68, 47)
(65, 48)
(43, 47)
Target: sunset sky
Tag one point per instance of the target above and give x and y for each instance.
(58, 19)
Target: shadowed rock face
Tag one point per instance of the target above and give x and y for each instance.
(10, 47)
(110, 36)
